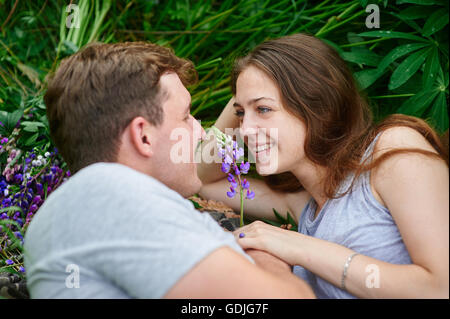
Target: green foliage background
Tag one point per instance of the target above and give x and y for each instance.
(403, 65)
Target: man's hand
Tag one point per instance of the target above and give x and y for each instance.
(269, 262)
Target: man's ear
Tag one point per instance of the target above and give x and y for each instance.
(141, 136)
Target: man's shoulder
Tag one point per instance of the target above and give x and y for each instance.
(108, 188)
(116, 179)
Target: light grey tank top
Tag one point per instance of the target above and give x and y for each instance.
(357, 221)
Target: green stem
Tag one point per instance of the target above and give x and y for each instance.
(242, 208)
(391, 96)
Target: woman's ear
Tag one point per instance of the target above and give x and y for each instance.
(140, 136)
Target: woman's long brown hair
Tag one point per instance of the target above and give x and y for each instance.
(317, 87)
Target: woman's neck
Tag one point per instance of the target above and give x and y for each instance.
(311, 177)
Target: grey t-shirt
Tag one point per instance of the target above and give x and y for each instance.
(113, 232)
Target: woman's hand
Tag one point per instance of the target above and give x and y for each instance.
(282, 243)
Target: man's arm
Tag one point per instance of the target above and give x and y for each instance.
(226, 274)
(270, 263)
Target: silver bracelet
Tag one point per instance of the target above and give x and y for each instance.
(344, 274)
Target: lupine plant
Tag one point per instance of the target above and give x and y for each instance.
(234, 165)
(26, 180)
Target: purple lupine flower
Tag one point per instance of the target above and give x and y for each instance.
(227, 159)
(36, 199)
(9, 262)
(245, 166)
(6, 202)
(225, 167)
(230, 153)
(231, 193)
(245, 184)
(18, 235)
(239, 153)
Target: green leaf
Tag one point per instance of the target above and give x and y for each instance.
(196, 205)
(435, 22)
(362, 56)
(421, 2)
(363, 3)
(417, 12)
(431, 69)
(10, 120)
(279, 217)
(271, 222)
(292, 221)
(366, 78)
(407, 68)
(32, 127)
(31, 140)
(439, 113)
(399, 52)
(392, 35)
(417, 104)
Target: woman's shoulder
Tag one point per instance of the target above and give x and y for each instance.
(398, 137)
(393, 138)
(395, 166)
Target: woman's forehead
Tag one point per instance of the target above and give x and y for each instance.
(254, 85)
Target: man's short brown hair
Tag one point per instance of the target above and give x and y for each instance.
(98, 91)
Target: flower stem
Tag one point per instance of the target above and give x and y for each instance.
(242, 208)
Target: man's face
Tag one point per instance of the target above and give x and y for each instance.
(177, 138)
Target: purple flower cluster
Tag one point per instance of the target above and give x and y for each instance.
(26, 180)
(230, 157)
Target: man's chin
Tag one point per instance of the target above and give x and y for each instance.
(193, 188)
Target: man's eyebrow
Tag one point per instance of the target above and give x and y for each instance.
(252, 101)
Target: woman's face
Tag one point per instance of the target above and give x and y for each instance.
(273, 136)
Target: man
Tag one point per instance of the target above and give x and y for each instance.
(120, 227)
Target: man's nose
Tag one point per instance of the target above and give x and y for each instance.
(198, 128)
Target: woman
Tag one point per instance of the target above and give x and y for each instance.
(371, 200)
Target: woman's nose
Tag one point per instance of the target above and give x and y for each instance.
(248, 126)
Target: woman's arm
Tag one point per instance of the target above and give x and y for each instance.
(211, 172)
(215, 184)
(415, 190)
(265, 200)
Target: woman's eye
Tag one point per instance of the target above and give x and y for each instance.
(262, 109)
(239, 113)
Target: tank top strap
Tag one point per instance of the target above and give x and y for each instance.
(369, 150)
(364, 178)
